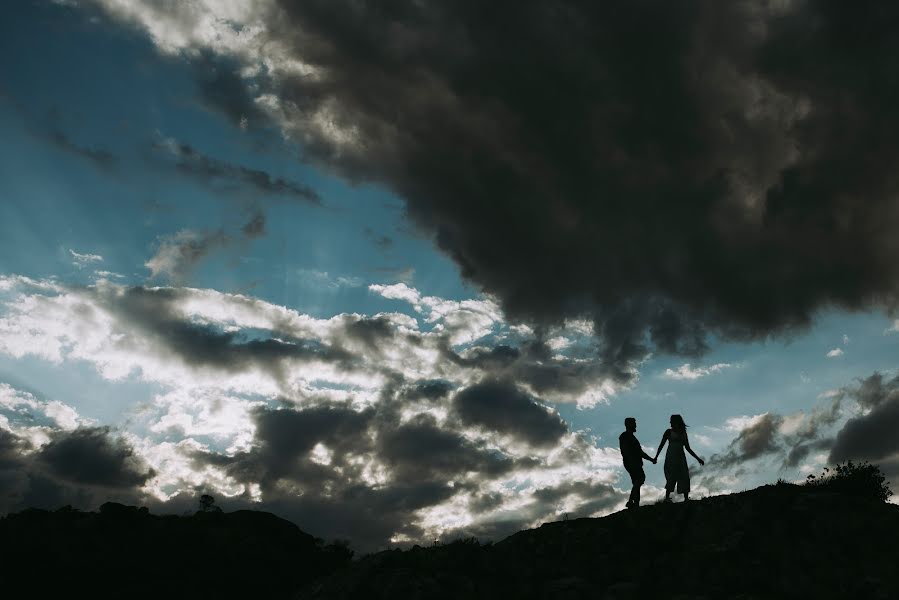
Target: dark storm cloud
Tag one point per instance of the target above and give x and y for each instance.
(798, 452)
(502, 407)
(152, 311)
(416, 451)
(420, 449)
(873, 391)
(593, 497)
(92, 456)
(285, 436)
(766, 437)
(11, 449)
(222, 89)
(419, 459)
(212, 171)
(669, 169)
(789, 439)
(487, 359)
(534, 364)
(82, 468)
(871, 436)
(758, 439)
(373, 332)
(586, 499)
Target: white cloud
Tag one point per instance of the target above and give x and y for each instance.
(398, 291)
(320, 454)
(792, 423)
(25, 404)
(463, 321)
(687, 372)
(845, 339)
(836, 352)
(210, 407)
(740, 423)
(92, 325)
(703, 440)
(83, 260)
(179, 253)
(559, 342)
(206, 412)
(108, 275)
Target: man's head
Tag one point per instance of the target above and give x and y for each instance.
(630, 424)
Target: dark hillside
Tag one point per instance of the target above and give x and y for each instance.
(779, 541)
(125, 552)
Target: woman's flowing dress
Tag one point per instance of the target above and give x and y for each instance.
(676, 471)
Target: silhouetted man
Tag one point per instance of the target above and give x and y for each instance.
(633, 455)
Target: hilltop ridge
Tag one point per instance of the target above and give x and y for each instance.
(776, 541)
(126, 552)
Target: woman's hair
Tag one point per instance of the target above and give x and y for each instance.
(677, 422)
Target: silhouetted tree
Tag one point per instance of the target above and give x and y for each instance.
(207, 504)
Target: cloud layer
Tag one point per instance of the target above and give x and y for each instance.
(857, 423)
(374, 428)
(666, 170)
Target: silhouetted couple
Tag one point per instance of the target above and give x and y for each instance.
(676, 472)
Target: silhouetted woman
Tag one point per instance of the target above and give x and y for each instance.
(676, 471)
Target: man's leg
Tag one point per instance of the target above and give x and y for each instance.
(638, 477)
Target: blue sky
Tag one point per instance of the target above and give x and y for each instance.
(117, 173)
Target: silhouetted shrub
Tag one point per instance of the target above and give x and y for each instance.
(467, 541)
(337, 554)
(863, 479)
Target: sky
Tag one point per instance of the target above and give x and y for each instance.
(398, 271)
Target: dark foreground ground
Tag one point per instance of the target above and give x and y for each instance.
(780, 541)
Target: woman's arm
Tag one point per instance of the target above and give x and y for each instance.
(690, 450)
(662, 443)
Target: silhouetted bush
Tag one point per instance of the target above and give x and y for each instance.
(337, 554)
(863, 479)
